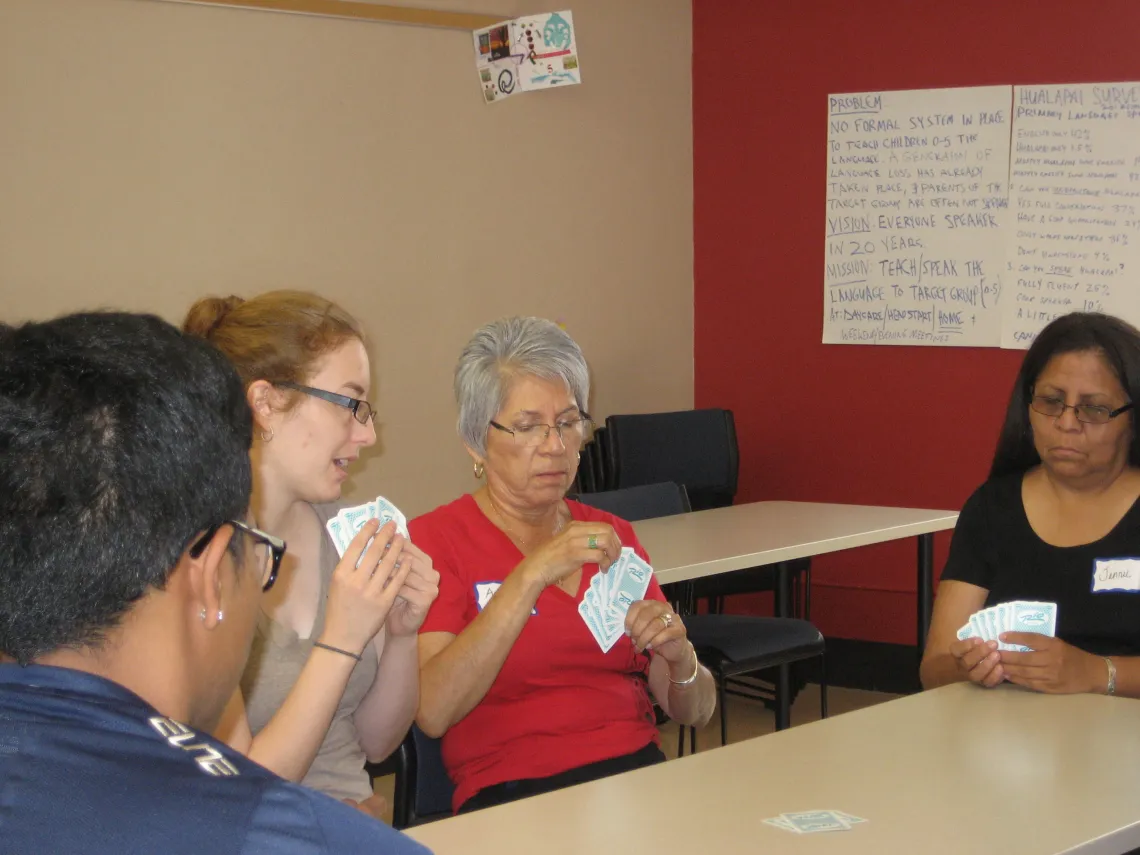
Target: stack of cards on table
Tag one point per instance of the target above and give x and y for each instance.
(813, 821)
(1018, 616)
(610, 595)
(344, 526)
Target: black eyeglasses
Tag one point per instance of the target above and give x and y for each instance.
(1091, 414)
(272, 559)
(361, 410)
(571, 432)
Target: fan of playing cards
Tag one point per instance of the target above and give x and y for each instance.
(610, 595)
(1018, 616)
(344, 526)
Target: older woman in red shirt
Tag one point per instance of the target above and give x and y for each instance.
(511, 677)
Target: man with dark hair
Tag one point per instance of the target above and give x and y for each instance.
(130, 582)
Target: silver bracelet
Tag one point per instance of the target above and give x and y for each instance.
(696, 671)
(1111, 690)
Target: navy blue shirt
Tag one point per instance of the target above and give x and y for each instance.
(86, 766)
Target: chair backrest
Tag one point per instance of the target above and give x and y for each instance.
(423, 789)
(641, 503)
(696, 448)
(585, 481)
(602, 476)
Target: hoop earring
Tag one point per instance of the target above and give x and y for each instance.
(478, 469)
(266, 435)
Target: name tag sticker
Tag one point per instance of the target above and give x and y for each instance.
(1116, 574)
(485, 590)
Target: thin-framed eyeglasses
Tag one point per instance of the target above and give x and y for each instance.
(276, 548)
(362, 411)
(571, 432)
(1090, 414)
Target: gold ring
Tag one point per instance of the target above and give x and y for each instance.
(667, 619)
(592, 542)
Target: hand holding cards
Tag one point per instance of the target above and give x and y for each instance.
(610, 595)
(368, 579)
(1018, 616)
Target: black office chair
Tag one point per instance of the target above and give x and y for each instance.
(730, 646)
(423, 790)
(696, 448)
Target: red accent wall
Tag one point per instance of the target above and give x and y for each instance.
(909, 426)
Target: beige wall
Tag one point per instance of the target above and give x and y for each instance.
(151, 152)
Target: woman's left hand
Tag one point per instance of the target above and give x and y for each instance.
(1051, 666)
(416, 594)
(652, 625)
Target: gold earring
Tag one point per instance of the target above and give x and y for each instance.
(478, 469)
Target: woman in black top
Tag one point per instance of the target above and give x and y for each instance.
(1057, 521)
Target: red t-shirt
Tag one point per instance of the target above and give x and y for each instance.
(558, 702)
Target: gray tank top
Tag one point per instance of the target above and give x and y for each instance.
(275, 663)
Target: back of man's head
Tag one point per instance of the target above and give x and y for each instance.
(120, 439)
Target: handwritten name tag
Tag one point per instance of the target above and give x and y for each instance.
(1116, 574)
(485, 590)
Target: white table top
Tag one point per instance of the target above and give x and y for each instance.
(689, 546)
(953, 771)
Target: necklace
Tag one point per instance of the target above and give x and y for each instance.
(518, 538)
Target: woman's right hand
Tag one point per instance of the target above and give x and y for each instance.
(360, 597)
(978, 661)
(570, 549)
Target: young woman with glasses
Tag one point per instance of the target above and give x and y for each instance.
(332, 679)
(1057, 521)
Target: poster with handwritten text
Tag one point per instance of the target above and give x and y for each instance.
(1075, 199)
(914, 250)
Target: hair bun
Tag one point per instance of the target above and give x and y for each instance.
(207, 314)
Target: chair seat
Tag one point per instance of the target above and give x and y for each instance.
(741, 640)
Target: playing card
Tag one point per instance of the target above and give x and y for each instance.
(591, 613)
(780, 822)
(1026, 616)
(633, 582)
(1003, 612)
(965, 632)
(336, 531)
(976, 629)
(386, 511)
(852, 820)
(812, 821)
(989, 620)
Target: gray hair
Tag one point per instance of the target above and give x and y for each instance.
(506, 349)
